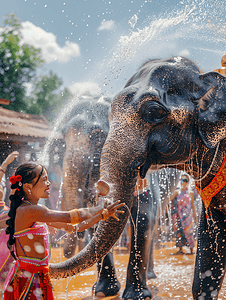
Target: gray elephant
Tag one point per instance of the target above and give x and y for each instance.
(84, 134)
(169, 113)
(144, 213)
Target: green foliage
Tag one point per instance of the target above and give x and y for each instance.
(46, 97)
(18, 63)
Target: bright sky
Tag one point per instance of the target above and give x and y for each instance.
(97, 45)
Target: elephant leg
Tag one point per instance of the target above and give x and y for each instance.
(107, 283)
(210, 256)
(141, 238)
(150, 272)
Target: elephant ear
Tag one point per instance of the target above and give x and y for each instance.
(212, 110)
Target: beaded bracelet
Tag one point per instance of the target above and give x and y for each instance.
(75, 216)
(104, 214)
(2, 170)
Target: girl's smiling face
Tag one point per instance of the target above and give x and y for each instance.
(41, 188)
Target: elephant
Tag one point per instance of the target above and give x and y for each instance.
(169, 113)
(146, 209)
(84, 134)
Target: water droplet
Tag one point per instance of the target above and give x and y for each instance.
(208, 273)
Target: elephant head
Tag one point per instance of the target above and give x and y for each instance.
(84, 134)
(166, 112)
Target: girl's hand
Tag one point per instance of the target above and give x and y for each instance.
(10, 158)
(111, 210)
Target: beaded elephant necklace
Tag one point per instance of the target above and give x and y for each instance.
(214, 187)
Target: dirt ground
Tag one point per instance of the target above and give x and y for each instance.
(173, 282)
(174, 276)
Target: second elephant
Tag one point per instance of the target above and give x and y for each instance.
(85, 134)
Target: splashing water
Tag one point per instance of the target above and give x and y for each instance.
(158, 38)
(59, 121)
(182, 31)
(129, 45)
(168, 34)
(133, 21)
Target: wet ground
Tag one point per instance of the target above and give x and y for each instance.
(174, 276)
(173, 282)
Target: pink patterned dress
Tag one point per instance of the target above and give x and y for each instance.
(29, 277)
(182, 219)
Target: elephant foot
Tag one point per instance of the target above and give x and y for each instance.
(138, 293)
(106, 287)
(151, 275)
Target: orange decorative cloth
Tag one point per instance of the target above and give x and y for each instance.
(215, 185)
(29, 278)
(29, 282)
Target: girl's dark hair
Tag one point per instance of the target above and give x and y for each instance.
(28, 171)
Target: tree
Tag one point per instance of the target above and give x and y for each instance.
(47, 98)
(18, 63)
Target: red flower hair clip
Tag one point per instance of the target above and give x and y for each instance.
(14, 179)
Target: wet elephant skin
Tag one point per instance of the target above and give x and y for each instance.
(84, 135)
(170, 113)
(167, 114)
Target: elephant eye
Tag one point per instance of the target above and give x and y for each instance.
(153, 112)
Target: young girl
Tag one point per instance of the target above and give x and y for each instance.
(29, 278)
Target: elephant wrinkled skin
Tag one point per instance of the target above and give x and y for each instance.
(84, 134)
(167, 114)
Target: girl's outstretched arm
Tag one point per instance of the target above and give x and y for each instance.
(37, 213)
(109, 211)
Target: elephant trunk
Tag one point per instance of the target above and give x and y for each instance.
(108, 232)
(100, 244)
